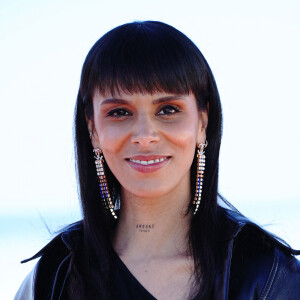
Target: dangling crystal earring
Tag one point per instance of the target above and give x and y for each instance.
(105, 195)
(200, 174)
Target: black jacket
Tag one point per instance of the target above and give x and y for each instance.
(252, 264)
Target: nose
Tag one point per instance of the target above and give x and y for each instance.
(144, 131)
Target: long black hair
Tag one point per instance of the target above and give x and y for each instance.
(145, 57)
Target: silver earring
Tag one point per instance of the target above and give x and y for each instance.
(104, 191)
(200, 174)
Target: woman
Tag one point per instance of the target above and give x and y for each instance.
(148, 116)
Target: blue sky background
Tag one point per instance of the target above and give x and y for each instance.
(253, 49)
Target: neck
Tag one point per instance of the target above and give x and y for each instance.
(153, 227)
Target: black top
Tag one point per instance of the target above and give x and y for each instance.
(127, 287)
(251, 265)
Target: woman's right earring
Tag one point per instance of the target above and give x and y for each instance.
(200, 174)
(104, 191)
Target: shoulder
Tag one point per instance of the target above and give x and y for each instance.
(262, 267)
(54, 259)
(25, 291)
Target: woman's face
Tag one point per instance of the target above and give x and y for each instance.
(148, 141)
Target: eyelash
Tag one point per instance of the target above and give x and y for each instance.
(122, 112)
(174, 108)
(116, 113)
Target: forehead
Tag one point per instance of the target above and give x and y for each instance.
(137, 97)
(117, 91)
(120, 93)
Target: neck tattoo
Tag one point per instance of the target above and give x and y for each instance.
(144, 227)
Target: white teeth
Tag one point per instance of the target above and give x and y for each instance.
(148, 162)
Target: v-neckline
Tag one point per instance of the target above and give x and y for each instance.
(131, 276)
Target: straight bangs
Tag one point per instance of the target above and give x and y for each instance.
(145, 58)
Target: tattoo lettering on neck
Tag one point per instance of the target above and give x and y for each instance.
(144, 227)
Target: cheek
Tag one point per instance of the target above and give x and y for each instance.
(183, 133)
(111, 138)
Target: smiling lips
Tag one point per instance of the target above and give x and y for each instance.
(148, 164)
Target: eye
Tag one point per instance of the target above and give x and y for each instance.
(118, 113)
(168, 110)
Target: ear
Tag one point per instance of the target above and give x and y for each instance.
(92, 132)
(202, 125)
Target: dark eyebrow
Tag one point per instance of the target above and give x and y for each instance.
(114, 101)
(156, 101)
(168, 98)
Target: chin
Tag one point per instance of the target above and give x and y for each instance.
(149, 191)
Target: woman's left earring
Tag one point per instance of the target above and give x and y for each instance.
(104, 191)
(200, 174)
